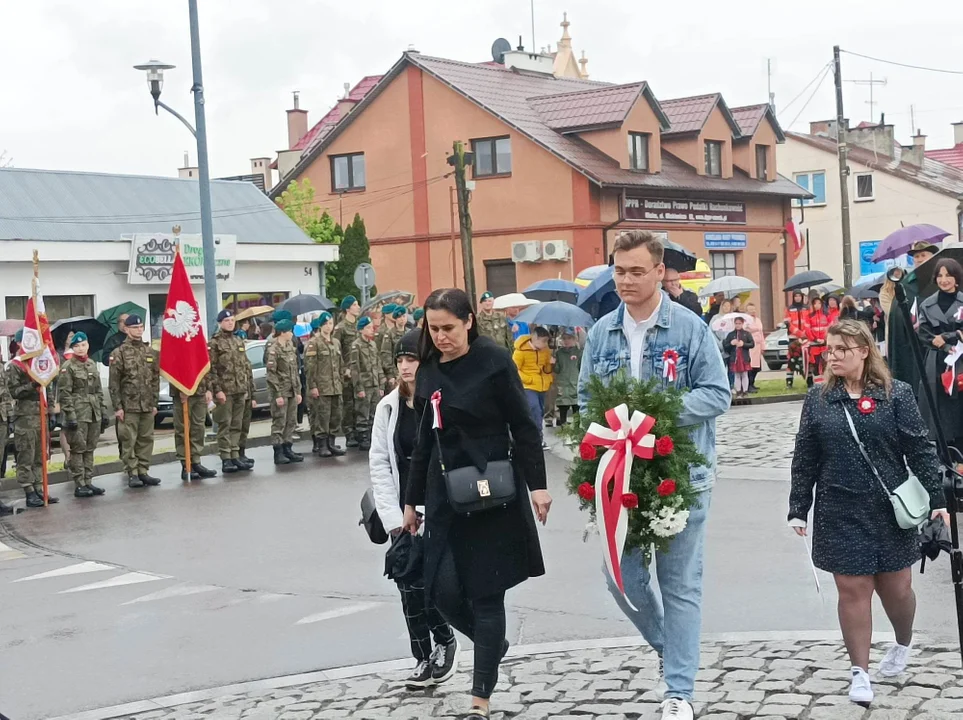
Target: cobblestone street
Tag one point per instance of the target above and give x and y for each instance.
(758, 436)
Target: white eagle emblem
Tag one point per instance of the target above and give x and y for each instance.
(181, 321)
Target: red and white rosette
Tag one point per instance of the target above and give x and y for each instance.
(670, 365)
(625, 438)
(436, 410)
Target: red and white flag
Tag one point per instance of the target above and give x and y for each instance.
(184, 359)
(37, 352)
(795, 234)
(915, 314)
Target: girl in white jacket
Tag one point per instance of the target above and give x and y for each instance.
(392, 441)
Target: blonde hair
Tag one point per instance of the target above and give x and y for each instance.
(855, 333)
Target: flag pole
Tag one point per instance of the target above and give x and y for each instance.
(187, 437)
(43, 399)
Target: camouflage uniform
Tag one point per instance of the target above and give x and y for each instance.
(246, 418)
(368, 377)
(283, 381)
(81, 402)
(196, 415)
(346, 333)
(324, 369)
(387, 346)
(26, 428)
(493, 325)
(230, 374)
(134, 388)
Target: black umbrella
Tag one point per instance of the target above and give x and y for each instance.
(301, 304)
(389, 297)
(405, 558)
(803, 280)
(933, 539)
(678, 258)
(95, 331)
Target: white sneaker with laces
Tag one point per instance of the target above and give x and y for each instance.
(676, 709)
(861, 689)
(895, 661)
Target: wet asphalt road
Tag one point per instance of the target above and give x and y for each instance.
(269, 574)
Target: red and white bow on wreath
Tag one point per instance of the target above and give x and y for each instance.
(436, 410)
(670, 365)
(626, 438)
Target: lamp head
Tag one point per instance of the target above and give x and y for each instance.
(155, 76)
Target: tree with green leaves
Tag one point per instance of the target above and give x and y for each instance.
(298, 203)
(355, 249)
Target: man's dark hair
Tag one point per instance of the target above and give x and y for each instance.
(456, 302)
(954, 269)
(640, 238)
(540, 332)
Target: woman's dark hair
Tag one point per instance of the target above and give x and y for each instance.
(540, 332)
(832, 298)
(812, 303)
(849, 305)
(953, 268)
(265, 330)
(456, 302)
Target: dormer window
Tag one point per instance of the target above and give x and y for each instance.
(762, 162)
(713, 158)
(639, 151)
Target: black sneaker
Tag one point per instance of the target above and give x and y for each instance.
(444, 661)
(420, 677)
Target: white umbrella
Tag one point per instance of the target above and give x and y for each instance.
(513, 300)
(731, 285)
(726, 323)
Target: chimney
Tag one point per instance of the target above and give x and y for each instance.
(345, 104)
(297, 122)
(958, 133)
(188, 172)
(919, 140)
(262, 166)
(911, 154)
(879, 139)
(826, 128)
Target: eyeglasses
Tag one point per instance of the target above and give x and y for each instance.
(633, 273)
(840, 351)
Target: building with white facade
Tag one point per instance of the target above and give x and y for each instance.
(890, 185)
(106, 239)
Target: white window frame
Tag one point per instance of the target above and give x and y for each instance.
(810, 203)
(724, 256)
(856, 177)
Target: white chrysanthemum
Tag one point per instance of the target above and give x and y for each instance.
(669, 522)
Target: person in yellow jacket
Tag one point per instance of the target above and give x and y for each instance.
(535, 364)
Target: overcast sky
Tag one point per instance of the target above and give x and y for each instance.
(70, 100)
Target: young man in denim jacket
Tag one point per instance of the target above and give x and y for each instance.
(633, 339)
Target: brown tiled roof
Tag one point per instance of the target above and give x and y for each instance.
(689, 114)
(597, 107)
(748, 118)
(934, 175)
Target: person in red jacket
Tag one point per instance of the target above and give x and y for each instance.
(797, 318)
(816, 334)
(832, 309)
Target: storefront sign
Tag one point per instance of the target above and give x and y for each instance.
(725, 241)
(669, 210)
(152, 257)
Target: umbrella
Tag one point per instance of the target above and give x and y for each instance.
(807, 279)
(678, 258)
(584, 278)
(109, 316)
(9, 328)
(926, 271)
(512, 300)
(252, 312)
(553, 289)
(726, 323)
(828, 289)
(899, 242)
(389, 297)
(95, 331)
(301, 304)
(731, 285)
(600, 298)
(555, 313)
(933, 539)
(867, 286)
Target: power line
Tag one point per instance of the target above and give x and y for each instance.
(808, 85)
(905, 65)
(810, 98)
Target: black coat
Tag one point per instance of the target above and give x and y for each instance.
(688, 299)
(485, 417)
(933, 321)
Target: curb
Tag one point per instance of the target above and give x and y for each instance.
(768, 400)
(168, 702)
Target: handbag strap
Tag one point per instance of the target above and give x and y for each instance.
(862, 450)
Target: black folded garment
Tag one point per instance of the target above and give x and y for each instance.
(934, 538)
(404, 561)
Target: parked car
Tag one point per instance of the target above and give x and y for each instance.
(165, 403)
(255, 354)
(776, 353)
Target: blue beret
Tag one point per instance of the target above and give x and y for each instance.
(282, 315)
(78, 338)
(224, 315)
(364, 322)
(133, 320)
(323, 318)
(486, 296)
(348, 302)
(399, 312)
(18, 336)
(316, 323)
(389, 308)
(418, 314)
(282, 326)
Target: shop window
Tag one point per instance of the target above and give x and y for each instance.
(493, 156)
(347, 172)
(59, 307)
(722, 264)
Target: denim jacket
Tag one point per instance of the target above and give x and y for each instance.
(700, 370)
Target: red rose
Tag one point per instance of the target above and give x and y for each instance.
(587, 451)
(586, 491)
(664, 445)
(666, 488)
(866, 405)
(630, 501)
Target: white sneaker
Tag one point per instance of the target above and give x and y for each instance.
(861, 690)
(895, 661)
(676, 709)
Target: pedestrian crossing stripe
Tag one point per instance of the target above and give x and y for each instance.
(77, 569)
(8, 553)
(131, 578)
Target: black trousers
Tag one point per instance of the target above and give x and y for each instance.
(752, 377)
(423, 620)
(481, 620)
(563, 412)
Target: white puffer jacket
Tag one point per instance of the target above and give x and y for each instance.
(382, 463)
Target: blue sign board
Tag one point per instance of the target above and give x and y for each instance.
(868, 267)
(725, 241)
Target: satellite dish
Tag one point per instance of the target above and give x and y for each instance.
(499, 48)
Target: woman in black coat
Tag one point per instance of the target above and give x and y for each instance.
(941, 323)
(471, 560)
(855, 533)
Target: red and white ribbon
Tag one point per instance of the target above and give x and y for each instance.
(670, 365)
(625, 438)
(436, 410)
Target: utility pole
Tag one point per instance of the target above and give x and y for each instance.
(842, 130)
(458, 160)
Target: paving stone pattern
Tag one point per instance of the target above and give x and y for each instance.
(758, 438)
(765, 680)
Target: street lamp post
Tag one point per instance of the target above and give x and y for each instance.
(155, 80)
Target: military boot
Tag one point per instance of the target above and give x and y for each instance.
(364, 441)
(335, 449)
(33, 499)
(323, 449)
(290, 454)
(5, 510)
(192, 475)
(243, 459)
(279, 457)
(351, 439)
(229, 465)
(204, 472)
(149, 479)
(82, 491)
(96, 490)
(315, 446)
(133, 481)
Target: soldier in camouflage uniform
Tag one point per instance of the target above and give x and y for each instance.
(491, 323)
(26, 431)
(323, 365)
(381, 319)
(367, 379)
(231, 378)
(134, 387)
(311, 400)
(396, 329)
(197, 405)
(246, 418)
(284, 386)
(82, 405)
(346, 333)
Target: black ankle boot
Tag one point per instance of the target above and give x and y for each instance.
(323, 448)
(204, 472)
(33, 499)
(229, 466)
(279, 457)
(335, 450)
(290, 454)
(5, 510)
(243, 459)
(184, 474)
(351, 439)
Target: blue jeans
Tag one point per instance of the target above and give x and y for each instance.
(536, 406)
(670, 624)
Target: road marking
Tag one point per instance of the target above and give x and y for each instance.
(78, 569)
(176, 591)
(340, 612)
(131, 578)
(271, 597)
(8, 553)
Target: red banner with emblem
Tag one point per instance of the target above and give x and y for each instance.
(184, 359)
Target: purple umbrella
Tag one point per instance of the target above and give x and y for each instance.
(898, 243)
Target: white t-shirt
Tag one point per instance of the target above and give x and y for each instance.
(635, 334)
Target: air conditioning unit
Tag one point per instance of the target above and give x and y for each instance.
(555, 250)
(528, 251)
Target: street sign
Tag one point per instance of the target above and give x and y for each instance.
(725, 240)
(364, 278)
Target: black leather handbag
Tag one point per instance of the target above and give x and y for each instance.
(371, 520)
(472, 491)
